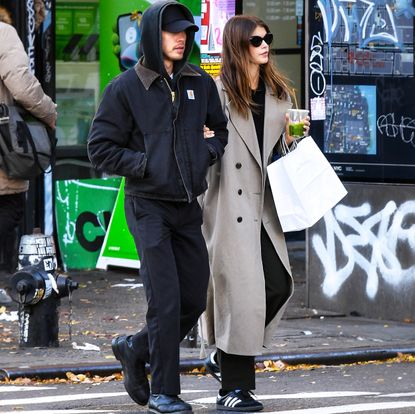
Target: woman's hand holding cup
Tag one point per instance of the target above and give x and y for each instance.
(297, 125)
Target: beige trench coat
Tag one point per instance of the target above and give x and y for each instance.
(235, 204)
(17, 82)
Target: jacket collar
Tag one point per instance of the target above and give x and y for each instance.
(148, 76)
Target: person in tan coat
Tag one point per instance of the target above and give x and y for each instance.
(18, 84)
(250, 271)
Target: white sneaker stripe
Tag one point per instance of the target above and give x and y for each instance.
(253, 395)
(232, 400)
(227, 401)
(235, 401)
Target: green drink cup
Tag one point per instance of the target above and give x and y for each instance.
(296, 123)
(296, 129)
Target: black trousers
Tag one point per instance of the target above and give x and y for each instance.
(11, 214)
(175, 273)
(238, 371)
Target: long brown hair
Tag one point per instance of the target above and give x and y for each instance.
(5, 15)
(235, 61)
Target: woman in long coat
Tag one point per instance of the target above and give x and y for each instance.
(251, 278)
(17, 83)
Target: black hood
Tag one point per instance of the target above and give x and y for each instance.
(151, 37)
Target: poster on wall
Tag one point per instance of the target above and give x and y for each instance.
(214, 15)
(360, 62)
(120, 35)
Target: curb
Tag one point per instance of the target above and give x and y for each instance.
(186, 365)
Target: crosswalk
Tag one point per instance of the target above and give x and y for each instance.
(69, 411)
(338, 409)
(60, 398)
(352, 408)
(39, 399)
(303, 395)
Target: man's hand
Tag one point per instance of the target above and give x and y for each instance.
(208, 133)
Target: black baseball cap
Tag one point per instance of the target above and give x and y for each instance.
(175, 21)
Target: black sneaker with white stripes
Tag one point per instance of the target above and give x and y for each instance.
(238, 400)
(212, 367)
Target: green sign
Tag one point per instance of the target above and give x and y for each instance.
(109, 12)
(77, 26)
(84, 21)
(83, 212)
(118, 248)
(64, 23)
(112, 23)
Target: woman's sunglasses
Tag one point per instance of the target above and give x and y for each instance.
(256, 41)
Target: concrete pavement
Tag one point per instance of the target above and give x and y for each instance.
(110, 303)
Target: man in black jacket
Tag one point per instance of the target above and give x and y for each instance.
(149, 129)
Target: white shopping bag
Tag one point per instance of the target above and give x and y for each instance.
(304, 186)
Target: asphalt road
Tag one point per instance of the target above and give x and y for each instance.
(368, 388)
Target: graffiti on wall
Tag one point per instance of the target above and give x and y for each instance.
(404, 129)
(361, 38)
(373, 21)
(359, 240)
(317, 79)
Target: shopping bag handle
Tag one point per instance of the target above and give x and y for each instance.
(285, 148)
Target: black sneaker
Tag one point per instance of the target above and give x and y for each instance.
(162, 403)
(238, 400)
(134, 371)
(212, 367)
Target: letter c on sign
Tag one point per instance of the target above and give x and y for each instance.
(88, 217)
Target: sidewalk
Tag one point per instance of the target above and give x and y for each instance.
(110, 303)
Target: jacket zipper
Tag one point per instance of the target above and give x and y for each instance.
(173, 94)
(173, 98)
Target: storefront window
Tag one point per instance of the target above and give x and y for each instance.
(77, 69)
(284, 18)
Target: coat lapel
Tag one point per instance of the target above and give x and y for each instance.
(274, 123)
(274, 126)
(245, 128)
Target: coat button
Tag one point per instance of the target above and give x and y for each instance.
(238, 165)
(240, 192)
(239, 219)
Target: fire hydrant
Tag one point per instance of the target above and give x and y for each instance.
(38, 288)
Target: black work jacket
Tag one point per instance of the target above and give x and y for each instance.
(153, 136)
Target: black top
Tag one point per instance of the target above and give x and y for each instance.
(258, 96)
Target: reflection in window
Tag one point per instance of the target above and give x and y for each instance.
(77, 69)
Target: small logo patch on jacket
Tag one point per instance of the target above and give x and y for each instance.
(190, 94)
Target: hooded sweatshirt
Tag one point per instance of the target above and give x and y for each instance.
(151, 38)
(149, 126)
